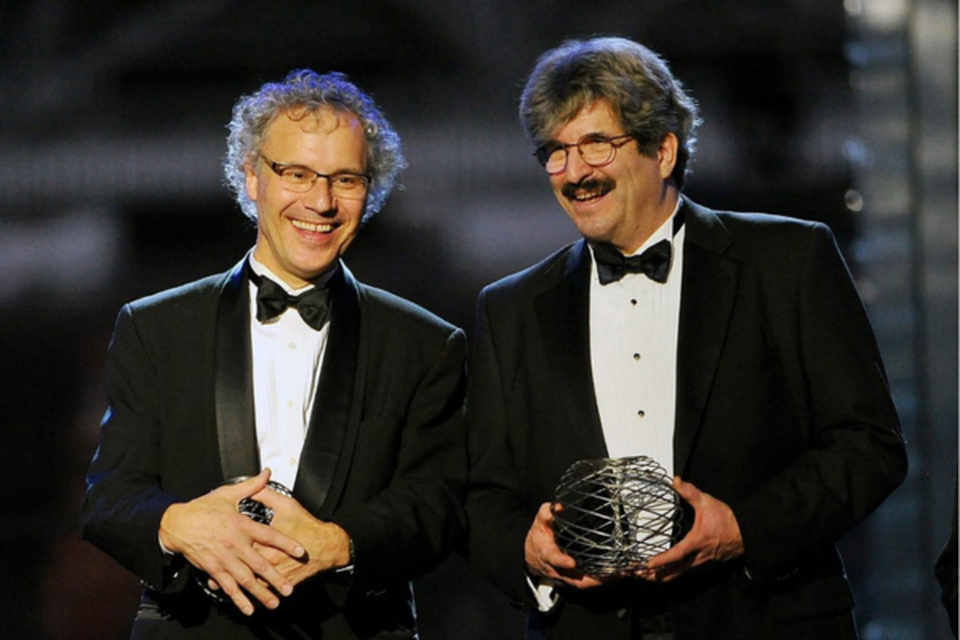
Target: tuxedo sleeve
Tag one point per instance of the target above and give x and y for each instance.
(498, 514)
(124, 502)
(410, 524)
(854, 454)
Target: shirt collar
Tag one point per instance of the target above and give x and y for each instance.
(261, 270)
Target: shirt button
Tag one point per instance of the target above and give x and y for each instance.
(633, 302)
(292, 346)
(289, 404)
(641, 413)
(292, 461)
(636, 357)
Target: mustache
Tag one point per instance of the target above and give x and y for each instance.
(569, 190)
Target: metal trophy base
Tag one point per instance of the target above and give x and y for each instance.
(256, 511)
(614, 514)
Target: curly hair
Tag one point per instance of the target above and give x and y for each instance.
(307, 90)
(634, 80)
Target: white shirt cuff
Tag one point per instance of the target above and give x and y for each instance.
(165, 551)
(545, 595)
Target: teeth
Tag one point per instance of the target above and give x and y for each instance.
(315, 228)
(582, 197)
(590, 192)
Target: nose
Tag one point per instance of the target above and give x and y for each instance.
(320, 196)
(576, 169)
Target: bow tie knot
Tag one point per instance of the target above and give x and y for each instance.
(272, 300)
(613, 265)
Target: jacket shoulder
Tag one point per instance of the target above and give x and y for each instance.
(539, 276)
(382, 306)
(197, 288)
(746, 234)
(180, 307)
(766, 223)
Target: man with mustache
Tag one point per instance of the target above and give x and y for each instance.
(284, 369)
(733, 350)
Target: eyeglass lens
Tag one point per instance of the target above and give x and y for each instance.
(596, 151)
(342, 185)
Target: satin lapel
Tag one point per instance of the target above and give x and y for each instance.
(236, 429)
(709, 288)
(563, 313)
(331, 410)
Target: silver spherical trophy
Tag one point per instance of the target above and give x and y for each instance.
(614, 514)
(256, 511)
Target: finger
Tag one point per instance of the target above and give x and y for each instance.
(544, 543)
(267, 536)
(247, 487)
(666, 566)
(664, 574)
(677, 553)
(252, 588)
(295, 571)
(273, 556)
(262, 591)
(260, 566)
(256, 575)
(240, 563)
(582, 582)
(664, 559)
(232, 590)
(555, 558)
(556, 567)
(271, 498)
(545, 513)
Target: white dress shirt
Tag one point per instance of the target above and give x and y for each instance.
(287, 356)
(633, 347)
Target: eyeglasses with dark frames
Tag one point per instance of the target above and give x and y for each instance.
(300, 179)
(595, 149)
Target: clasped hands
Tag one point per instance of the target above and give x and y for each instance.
(248, 560)
(714, 537)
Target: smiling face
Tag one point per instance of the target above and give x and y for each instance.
(622, 202)
(301, 235)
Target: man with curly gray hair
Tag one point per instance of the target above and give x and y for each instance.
(283, 448)
(306, 90)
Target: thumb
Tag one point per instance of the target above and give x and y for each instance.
(248, 486)
(546, 515)
(686, 490)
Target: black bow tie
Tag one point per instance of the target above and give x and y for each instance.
(613, 265)
(272, 300)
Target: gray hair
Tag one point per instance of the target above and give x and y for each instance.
(634, 80)
(308, 90)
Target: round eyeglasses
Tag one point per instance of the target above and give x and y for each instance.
(595, 149)
(300, 179)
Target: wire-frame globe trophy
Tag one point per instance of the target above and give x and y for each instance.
(614, 514)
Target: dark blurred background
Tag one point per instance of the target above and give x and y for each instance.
(112, 132)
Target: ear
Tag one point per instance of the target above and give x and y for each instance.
(667, 155)
(253, 181)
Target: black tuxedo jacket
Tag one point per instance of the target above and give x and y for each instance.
(782, 411)
(384, 455)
